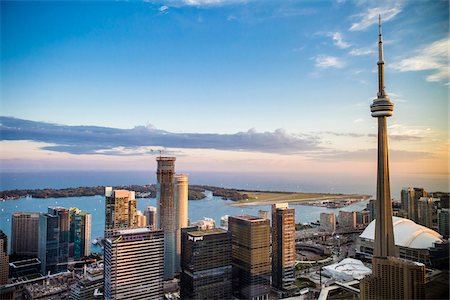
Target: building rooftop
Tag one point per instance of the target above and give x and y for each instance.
(407, 234)
(248, 218)
(134, 231)
(206, 232)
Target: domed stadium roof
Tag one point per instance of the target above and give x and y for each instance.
(407, 234)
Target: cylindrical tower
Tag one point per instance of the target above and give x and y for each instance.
(382, 108)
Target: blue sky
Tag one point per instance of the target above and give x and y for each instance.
(295, 73)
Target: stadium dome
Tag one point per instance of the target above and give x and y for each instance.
(407, 234)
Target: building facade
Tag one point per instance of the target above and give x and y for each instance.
(427, 212)
(87, 283)
(4, 259)
(134, 264)
(120, 210)
(181, 203)
(250, 238)
(328, 222)
(24, 234)
(444, 222)
(283, 248)
(80, 233)
(150, 214)
(347, 220)
(167, 217)
(206, 268)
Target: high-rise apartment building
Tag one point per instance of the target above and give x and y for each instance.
(371, 207)
(80, 233)
(24, 234)
(347, 219)
(427, 211)
(283, 248)
(134, 264)
(392, 277)
(328, 222)
(167, 217)
(120, 210)
(150, 214)
(181, 204)
(250, 238)
(141, 220)
(206, 268)
(4, 259)
(444, 222)
(407, 199)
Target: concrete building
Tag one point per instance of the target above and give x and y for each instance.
(24, 234)
(141, 220)
(392, 277)
(427, 211)
(362, 218)
(54, 234)
(120, 210)
(283, 248)
(263, 214)
(150, 214)
(328, 222)
(250, 238)
(444, 222)
(88, 282)
(80, 233)
(167, 217)
(406, 197)
(134, 264)
(371, 207)
(4, 259)
(181, 203)
(206, 268)
(205, 224)
(347, 220)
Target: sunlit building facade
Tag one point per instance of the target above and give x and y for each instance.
(120, 210)
(24, 234)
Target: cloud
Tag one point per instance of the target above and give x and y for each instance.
(140, 139)
(325, 62)
(349, 134)
(371, 155)
(430, 58)
(400, 137)
(338, 40)
(370, 17)
(163, 8)
(361, 51)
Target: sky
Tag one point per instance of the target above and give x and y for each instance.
(268, 87)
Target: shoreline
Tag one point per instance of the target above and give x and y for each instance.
(304, 201)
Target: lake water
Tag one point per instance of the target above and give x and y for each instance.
(211, 207)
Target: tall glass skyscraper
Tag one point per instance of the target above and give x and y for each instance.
(80, 233)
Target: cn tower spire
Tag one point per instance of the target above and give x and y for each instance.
(382, 108)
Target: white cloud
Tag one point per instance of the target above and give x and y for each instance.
(433, 57)
(370, 17)
(163, 8)
(361, 51)
(324, 61)
(359, 120)
(339, 41)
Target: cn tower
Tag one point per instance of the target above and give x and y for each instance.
(382, 108)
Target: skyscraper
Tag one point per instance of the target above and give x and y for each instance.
(250, 237)
(120, 210)
(64, 234)
(392, 277)
(444, 222)
(328, 222)
(4, 259)
(167, 217)
(283, 248)
(49, 243)
(134, 264)
(24, 234)
(427, 211)
(80, 233)
(150, 214)
(407, 200)
(181, 203)
(205, 264)
(141, 220)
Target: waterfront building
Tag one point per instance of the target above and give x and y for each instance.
(371, 207)
(362, 218)
(181, 204)
(406, 197)
(150, 214)
(88, 282)
(263, 214)
(167, 217)
(347, 219)
(141, 220)
(54, 230)
(328, 222)
(4, 258)
(205, 224)
(224, 222)
(120, 210)
(24, 234)
(444, 222)
(283, 248)
(250, 238)
(414, 194)
(134, 264)
(392, 277)
(206, 268)
(80, 233)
